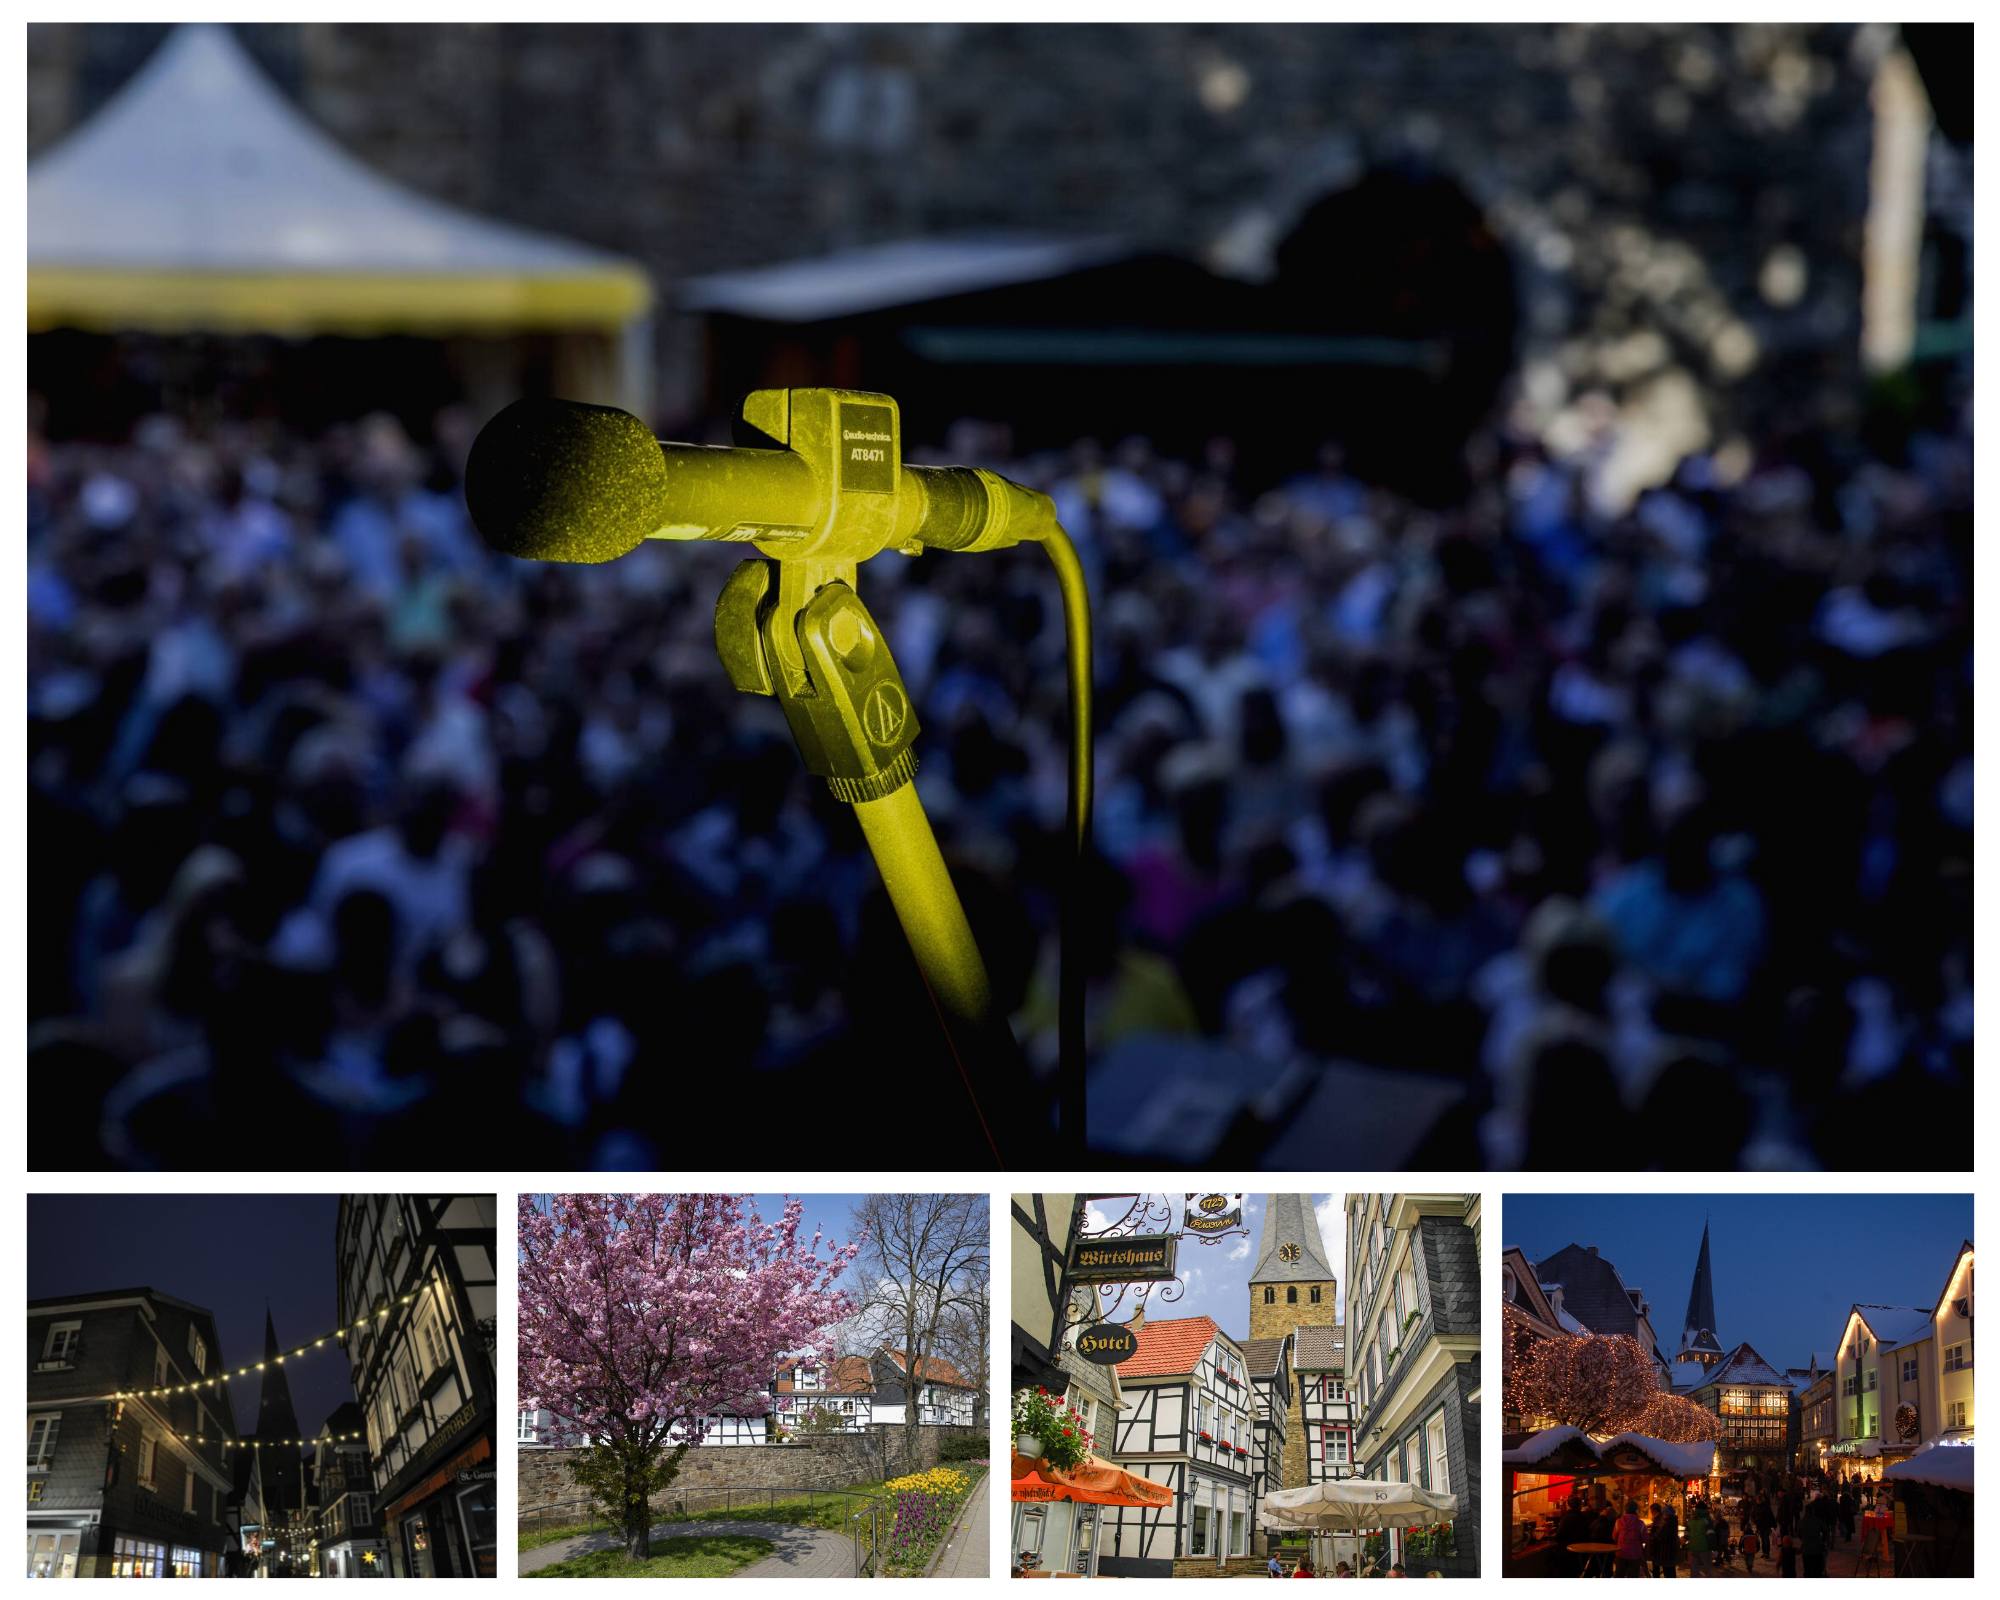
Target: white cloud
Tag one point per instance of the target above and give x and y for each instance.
(1240, 1251)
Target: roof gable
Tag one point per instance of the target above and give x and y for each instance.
(1169, 1349)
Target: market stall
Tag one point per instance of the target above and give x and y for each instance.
(200, 205)
(1931, 1528)
(1056, 1510)
(1351, 1507)
(1563, 1470)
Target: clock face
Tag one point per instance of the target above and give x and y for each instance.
(1288, 1252)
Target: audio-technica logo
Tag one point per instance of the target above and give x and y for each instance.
(884, 713)
(863, 433)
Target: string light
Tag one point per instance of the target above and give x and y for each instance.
(338, 1335)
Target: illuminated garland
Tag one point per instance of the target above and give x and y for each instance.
(258, 1444)
(337, 1335)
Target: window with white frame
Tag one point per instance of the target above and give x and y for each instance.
(1954, 1416)
(161, 1366)
(1198, 1532)
(1336, 1446)
(1957, 1357)
(1436, 1456)
(149, 1460)
(63, 1342)
(1909, 1369)
(43, 1428)
(197, 1349)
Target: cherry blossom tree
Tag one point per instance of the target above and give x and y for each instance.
(642, 1316)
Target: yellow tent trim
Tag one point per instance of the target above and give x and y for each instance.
(106, 300)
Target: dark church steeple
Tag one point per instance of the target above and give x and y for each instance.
(1698, 1340)
(280, 1474)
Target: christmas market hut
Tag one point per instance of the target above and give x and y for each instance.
(1932, 1531)
(1563, 1470)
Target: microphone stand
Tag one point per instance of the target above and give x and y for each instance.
(796, 630)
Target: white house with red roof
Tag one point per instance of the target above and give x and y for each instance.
(945, 1396)
(831, 1396)
(1188, 1422)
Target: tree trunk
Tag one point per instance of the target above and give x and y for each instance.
(638, 1504)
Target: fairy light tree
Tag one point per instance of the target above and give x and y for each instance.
(1601, 1384)
(1676, 1419)
(644, 1315)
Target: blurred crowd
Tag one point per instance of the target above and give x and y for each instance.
(1649, 826)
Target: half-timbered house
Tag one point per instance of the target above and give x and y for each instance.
(1269, 1363)
(814, 1395)
(1189, 1422)
(945, 1396)
(1326, 1407)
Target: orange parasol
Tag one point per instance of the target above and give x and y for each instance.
(1092, 1481)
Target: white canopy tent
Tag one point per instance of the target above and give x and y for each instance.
(1350, 1507)
(200, 199)
(1355, 1505)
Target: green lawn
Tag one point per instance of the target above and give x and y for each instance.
(554, 1533)
(829, 1511)
(710, 1555)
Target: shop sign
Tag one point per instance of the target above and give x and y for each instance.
(1133, 1258)
(1213, 1213)
(1107, 1344)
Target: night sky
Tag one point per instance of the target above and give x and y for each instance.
(228, 1253)
(1786, 1267)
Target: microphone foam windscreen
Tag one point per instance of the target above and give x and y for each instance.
(557, 480)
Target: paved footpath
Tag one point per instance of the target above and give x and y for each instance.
(799, 1553)
(965, 1550)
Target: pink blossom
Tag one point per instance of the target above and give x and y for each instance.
(644, 1315)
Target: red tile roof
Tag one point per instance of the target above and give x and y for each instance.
(1168, 1347)
(930, 1369)
(848, 1375)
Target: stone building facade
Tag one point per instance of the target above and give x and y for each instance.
(1682, 204)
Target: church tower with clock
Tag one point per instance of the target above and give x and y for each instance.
(1292, 1292)
(1291, 1286)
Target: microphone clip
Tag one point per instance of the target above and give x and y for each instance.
(798, 631)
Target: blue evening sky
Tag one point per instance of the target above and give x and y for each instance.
(1786, 1267)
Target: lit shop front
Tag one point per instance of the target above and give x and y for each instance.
(439, 1514)
(1559, 1470)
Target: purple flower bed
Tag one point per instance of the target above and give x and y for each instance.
(919, 1521)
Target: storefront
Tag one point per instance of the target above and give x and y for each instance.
(1560, 1470)
(55, 1543)
(1855, 1461)
(1058, 1512)
(355, 1558)
(440, 1517)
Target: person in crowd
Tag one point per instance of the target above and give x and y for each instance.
(1628, 1537)
(1663, 1542)
(1700, 1540)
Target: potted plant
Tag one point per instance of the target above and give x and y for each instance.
(1045, 1428)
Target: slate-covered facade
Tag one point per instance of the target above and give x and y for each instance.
(137, 1484)
(1413, 1324)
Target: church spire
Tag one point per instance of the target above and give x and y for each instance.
(1698, 1340)
(1291, 1250)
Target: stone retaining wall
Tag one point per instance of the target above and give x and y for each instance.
(709, 1472)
